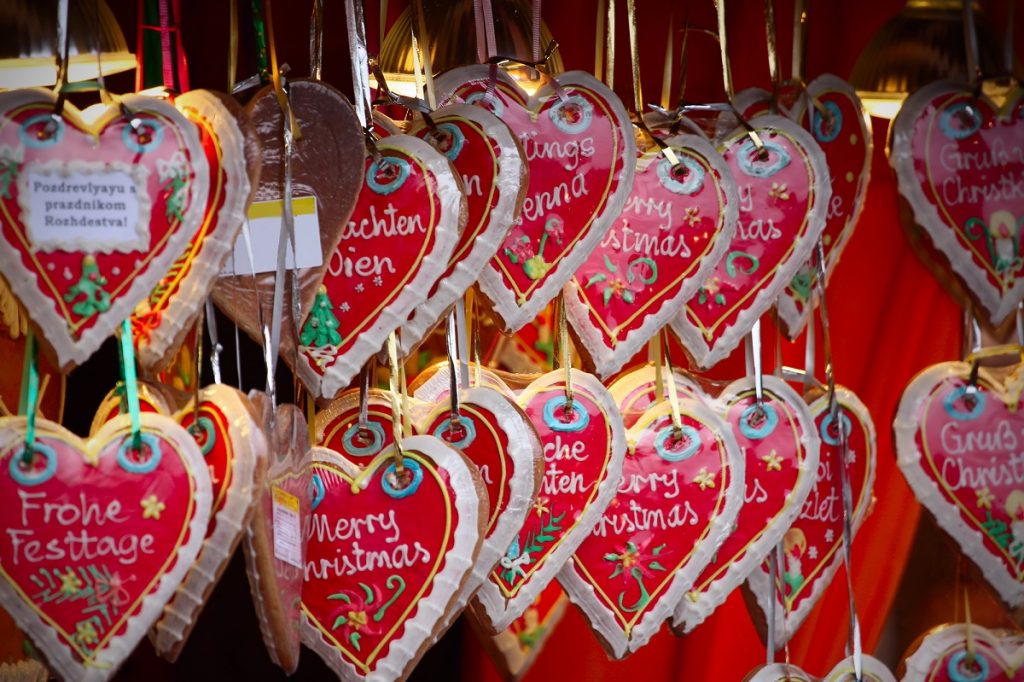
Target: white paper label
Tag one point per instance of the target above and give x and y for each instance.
(287, 528)
(264, 224)
(92, 205)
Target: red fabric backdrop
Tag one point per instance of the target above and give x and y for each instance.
(890, 318)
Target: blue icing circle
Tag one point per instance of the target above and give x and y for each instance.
(32, 140)
(30, 478)
(148, 441)
(820, 121)
(468, 427)
(691, 182)
(586, 115)
(153, 128)
(749, 162)
(949, 403)
(555, 423)
(348, 442)
(492, 104)
(687, 433)
(951, 121)
(387, 186)
(317, 491)
(210, 436)
(956, 672)
(452, 134)
(771, 420)
(398, 493)
(826, 434)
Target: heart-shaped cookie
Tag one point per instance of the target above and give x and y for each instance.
(680, 492)
(873, 670)
(494, 434)
(492, 168)
(337, 425)
(956, 445)
(781, 448)
(162, 320)
(813, 545)
(584, 445)
(326, 165)
(836, 118)
(942, 655)
(387, 554)
(275, 540)
(402, 233)
(636, 390)
(97, 535)
(579, 149)
(959, 163)
(783, 197)
(94, 214)
(515, 649)
(676, 225)
(234, 451)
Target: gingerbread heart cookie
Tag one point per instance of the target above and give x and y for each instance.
(956, 652)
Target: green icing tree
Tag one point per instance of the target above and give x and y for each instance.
(90, 285)
(321, 328)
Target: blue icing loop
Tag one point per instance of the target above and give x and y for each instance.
(398, 169)
(150, 443)
(30, 476)
(960, 394)
(667, 436)
(447, 134)
(147, 135)
(390, 474)
(556, 423)
(957, 664)
(348, 439)
(770, 421)
(468, 429)
(826, 128)
(581, 110)
(32, 139)
(202, 430)
(317, 491)
(960, 121)
(492, 103)
(689, 182)
(750, 162)
(826, 428)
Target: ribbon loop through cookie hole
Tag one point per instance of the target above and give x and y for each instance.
(402, 481)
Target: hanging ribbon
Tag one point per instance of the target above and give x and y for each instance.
(638, 97)
(424, 46)
(536, 29)
(773, 59)
(565, 352)
(232, 44)
(666, 73)
(275, 77)
(396, 407)
(360, 60)
(316, 40)
(131, 386)
(162, 17)
(29, 401)
(452, 344)
(609, 74)
(673, 393)
(215, 347)
(799, 40)
(971, 44)
(599, 47)
(259, 30)
(854, 642)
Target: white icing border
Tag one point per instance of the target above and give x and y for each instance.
(498, 610)
(873, 670)
(510, 184)
(792, 320)
(602, 619)
(120, 646)
(446, 234)
(610, 359)
(786, 625)
(491, 282)
(707, 356)
(1009, 646)
(422, 628)
(909, 458)
(689, 613)
(926, 215)
(249, 450)
(193, 289)
(24, 284)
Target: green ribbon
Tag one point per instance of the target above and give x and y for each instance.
(131, 387)
(29, 395)
(259, 28)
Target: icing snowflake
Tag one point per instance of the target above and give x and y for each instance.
(830, 535)
(344, 307)
(812, 552)
(378, 280)
(359, 288)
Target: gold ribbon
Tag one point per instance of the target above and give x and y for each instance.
(609, 74)
(397, 416)
(564, 351)
(275, 75)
